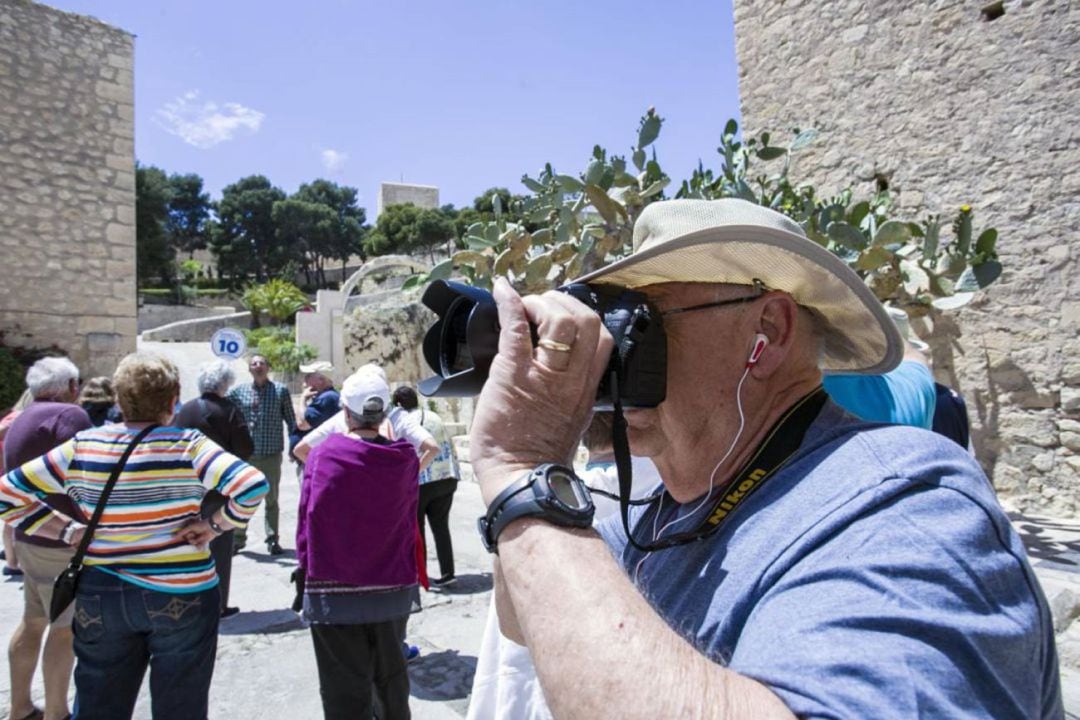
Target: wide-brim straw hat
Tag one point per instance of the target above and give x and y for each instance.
(735, 241)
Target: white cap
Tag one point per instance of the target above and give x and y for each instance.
(361, 390)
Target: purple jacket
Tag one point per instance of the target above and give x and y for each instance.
(357, 520)
(39, 428)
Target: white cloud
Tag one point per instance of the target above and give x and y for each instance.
(206, 124)
(333, 160)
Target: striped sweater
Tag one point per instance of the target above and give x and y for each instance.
(160, 490)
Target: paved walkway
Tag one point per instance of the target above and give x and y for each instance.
(265, 663)
(1053, 547)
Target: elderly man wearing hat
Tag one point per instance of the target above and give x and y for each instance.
(798, 562)
(321, 400)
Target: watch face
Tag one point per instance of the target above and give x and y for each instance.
(566, 491)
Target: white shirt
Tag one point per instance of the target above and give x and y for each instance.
(404, 427)
(505, 683)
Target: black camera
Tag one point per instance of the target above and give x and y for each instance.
(461, 344)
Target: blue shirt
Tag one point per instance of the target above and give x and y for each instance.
(905, 396)
(323, 406)
(873, 576)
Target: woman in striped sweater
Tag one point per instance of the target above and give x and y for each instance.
(148, 594)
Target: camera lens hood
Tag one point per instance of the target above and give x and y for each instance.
(463, 341)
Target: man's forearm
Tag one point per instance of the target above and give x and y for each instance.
(600, 650)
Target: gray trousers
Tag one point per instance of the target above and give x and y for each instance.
(270, 466)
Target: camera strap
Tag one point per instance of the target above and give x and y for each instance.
(780, 444)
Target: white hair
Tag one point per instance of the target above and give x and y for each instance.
(214, 376)
(51, 376)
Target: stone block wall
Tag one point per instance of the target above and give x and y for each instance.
(422, 196)
(947, 103)
(391, 335)
(67, 185)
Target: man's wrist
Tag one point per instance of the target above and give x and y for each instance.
(495, 478)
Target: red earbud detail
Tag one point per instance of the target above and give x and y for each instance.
(760, 341)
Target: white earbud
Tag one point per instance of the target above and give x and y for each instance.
(760, 342)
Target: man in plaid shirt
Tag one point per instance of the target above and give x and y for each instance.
(267, 407)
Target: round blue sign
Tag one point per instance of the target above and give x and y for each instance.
(228, 343)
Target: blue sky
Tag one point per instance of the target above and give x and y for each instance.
(463, 95)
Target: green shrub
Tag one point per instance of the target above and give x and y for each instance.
(278, 345)
(279, 299)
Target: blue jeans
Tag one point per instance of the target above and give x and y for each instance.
(120, 628)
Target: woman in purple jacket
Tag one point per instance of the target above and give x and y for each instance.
(356, 543)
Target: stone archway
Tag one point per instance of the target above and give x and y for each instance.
(382, 263)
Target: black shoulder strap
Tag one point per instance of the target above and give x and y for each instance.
(76, 561)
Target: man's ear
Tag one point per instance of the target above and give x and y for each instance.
(777, 321)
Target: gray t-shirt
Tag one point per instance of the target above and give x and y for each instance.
(874, 576)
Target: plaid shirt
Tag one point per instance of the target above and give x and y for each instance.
(265, 409)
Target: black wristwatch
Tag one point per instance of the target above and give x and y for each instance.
(550, 492)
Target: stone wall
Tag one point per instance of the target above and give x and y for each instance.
(947, 104)
(67, 185)
(199, 330)
(154, 316)
(422, 196)
(390, 334)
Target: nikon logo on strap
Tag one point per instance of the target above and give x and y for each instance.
(733, 498)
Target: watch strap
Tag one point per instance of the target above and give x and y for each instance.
(506, 507)
(486, 523)
(490, 530)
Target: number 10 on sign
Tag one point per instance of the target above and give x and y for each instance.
(228, 343)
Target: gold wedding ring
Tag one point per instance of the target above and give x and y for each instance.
(553, 345)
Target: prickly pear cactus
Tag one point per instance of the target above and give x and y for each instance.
(582, 222)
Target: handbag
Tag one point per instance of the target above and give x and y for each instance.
(67, 582)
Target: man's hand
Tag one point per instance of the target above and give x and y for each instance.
(308, 395)
(537, 400)
(197, 532)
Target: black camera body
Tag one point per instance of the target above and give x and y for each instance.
(461, 344)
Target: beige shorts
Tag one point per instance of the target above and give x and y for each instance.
(40, 566)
